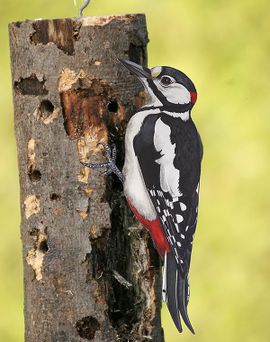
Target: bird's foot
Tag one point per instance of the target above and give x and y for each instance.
(109, 166)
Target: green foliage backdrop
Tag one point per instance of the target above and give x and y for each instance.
(224, 46)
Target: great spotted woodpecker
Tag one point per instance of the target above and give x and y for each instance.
(161, 175)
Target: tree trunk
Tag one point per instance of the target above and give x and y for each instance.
(90, 271)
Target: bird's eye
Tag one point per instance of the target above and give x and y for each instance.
(166, 81)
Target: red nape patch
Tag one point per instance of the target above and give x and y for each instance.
(155, 230)
(193, 95)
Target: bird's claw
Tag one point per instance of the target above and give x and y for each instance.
(109, 152)
(110, 165)
(94, 166)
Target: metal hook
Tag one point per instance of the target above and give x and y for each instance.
(85, 4)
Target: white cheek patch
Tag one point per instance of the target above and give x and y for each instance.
(175, 93)
(178, 94)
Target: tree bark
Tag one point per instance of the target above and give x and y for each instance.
(90, 271)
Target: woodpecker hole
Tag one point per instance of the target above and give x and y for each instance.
(46, 108)
(31, 86)
(55, 197)
(112, 106)
(87, 327)
(43, 246)
(34, 175)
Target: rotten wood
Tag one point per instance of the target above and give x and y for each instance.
(90, 271)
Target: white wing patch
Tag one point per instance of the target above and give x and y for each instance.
(169, 175)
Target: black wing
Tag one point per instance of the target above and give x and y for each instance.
(175, 200)
(178, 214)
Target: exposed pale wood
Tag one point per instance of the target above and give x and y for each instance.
(90, 270)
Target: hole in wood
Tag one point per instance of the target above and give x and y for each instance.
(34, 232)
(55, 197)
(34, 175)
(87, 327)
(31, 86)
(46, 108)
(112, 106)
(43, 246)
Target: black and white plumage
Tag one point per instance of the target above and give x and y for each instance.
(172, 184)
(161, 175)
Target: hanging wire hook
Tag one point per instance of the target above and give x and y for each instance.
(85, 4)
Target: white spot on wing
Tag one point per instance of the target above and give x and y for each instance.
(183, 206)
(179, 218)
(169, 175)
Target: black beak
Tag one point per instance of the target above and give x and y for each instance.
(136, 69)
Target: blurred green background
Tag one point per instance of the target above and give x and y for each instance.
(224, 46)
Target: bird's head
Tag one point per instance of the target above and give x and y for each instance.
(167, 87)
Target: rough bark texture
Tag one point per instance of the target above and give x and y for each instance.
(90, 270)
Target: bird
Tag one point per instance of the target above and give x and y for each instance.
(161, 175)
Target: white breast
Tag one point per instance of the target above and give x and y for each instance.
(134, 186)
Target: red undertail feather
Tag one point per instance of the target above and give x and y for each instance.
(155, 230)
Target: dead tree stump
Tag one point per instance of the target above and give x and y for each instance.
(90, 271)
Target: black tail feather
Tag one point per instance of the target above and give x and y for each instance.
(172, 292)
(176, 293)
(182, 299)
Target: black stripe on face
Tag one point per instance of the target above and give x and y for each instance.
(168, 106)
